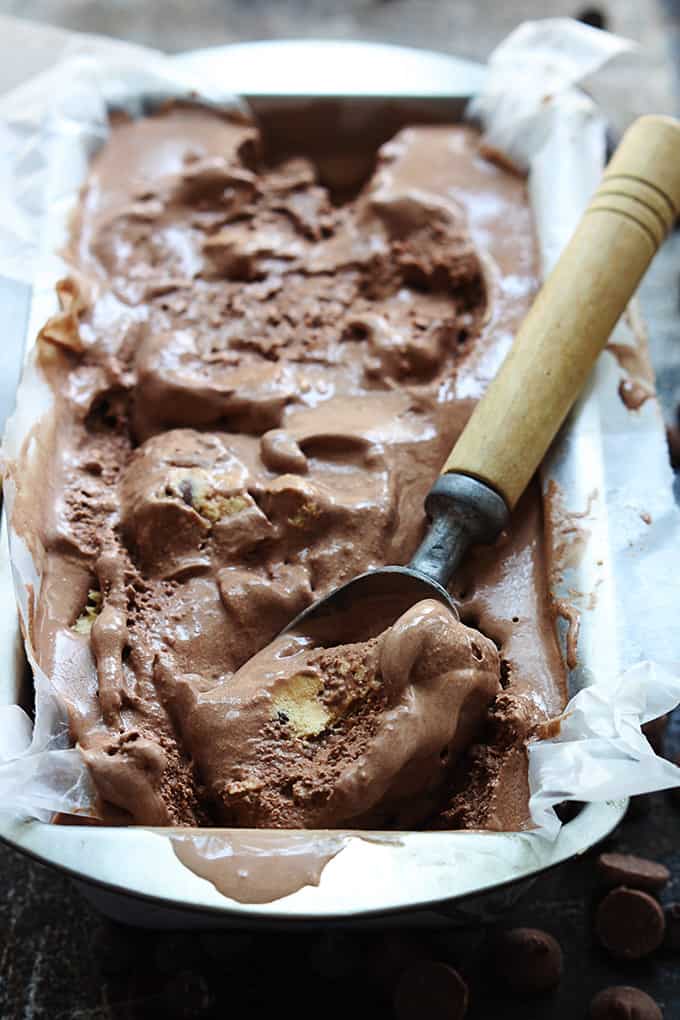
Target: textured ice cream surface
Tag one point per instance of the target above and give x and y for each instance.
(255, 386)
(364, 734)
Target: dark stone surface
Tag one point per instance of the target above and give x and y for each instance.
(61, 961)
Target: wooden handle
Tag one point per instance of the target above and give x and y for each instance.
(575, 311)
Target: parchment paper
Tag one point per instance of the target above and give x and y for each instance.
(610, 463)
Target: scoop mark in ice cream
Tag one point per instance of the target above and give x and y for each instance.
(254, 389)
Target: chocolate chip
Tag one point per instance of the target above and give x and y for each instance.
(432, 990)
(529, 960)
(633, 872)
(630, 923)
(392, 954)
(672, 915)
(624, 1003)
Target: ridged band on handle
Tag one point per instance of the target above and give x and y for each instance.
(575, 311)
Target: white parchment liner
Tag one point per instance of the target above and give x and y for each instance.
(608, 461)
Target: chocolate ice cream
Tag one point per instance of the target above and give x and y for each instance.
(254, 387)
(361, 734)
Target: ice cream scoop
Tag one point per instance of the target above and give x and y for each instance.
(513, 425)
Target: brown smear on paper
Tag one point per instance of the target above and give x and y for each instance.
(567, 540)
(569, 613)
(631, 361)
(637, 385)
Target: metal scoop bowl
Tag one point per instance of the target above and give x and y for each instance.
(462, 512)
(513, 425)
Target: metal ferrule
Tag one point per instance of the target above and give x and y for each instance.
(462, 512)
